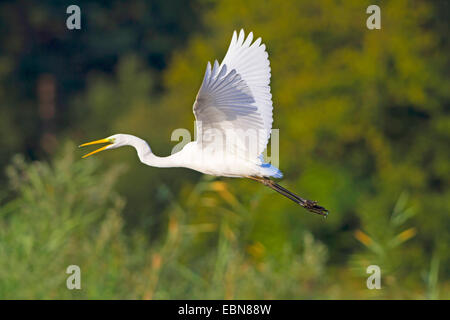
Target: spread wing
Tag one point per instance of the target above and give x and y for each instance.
(234, 103)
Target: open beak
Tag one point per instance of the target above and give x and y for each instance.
(108, 141)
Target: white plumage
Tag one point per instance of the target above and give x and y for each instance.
(236, 95)
(233, 111)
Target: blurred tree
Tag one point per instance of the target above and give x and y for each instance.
(35, 41)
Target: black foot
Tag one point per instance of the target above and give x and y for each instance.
(315, 208)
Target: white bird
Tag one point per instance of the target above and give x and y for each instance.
(233, 111)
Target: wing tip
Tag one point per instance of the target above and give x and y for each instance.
(207, 73)
(240, 39)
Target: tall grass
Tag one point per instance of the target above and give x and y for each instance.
(67, 213)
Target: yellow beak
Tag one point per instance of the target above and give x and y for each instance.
(109, 141)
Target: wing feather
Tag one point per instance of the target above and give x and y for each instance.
(235, 97)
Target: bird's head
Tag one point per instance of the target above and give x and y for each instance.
(114, 141)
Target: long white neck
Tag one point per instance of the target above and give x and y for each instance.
(145, 154)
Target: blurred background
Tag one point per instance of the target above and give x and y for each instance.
(364, 128)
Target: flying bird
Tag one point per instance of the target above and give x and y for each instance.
(233, 112)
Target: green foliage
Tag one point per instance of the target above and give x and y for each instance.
(68, 213)
(363, 129)
(62, 214)
(361, 116)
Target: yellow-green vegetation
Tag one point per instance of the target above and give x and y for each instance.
(363, 118)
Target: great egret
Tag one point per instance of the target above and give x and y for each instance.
(233, 111)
